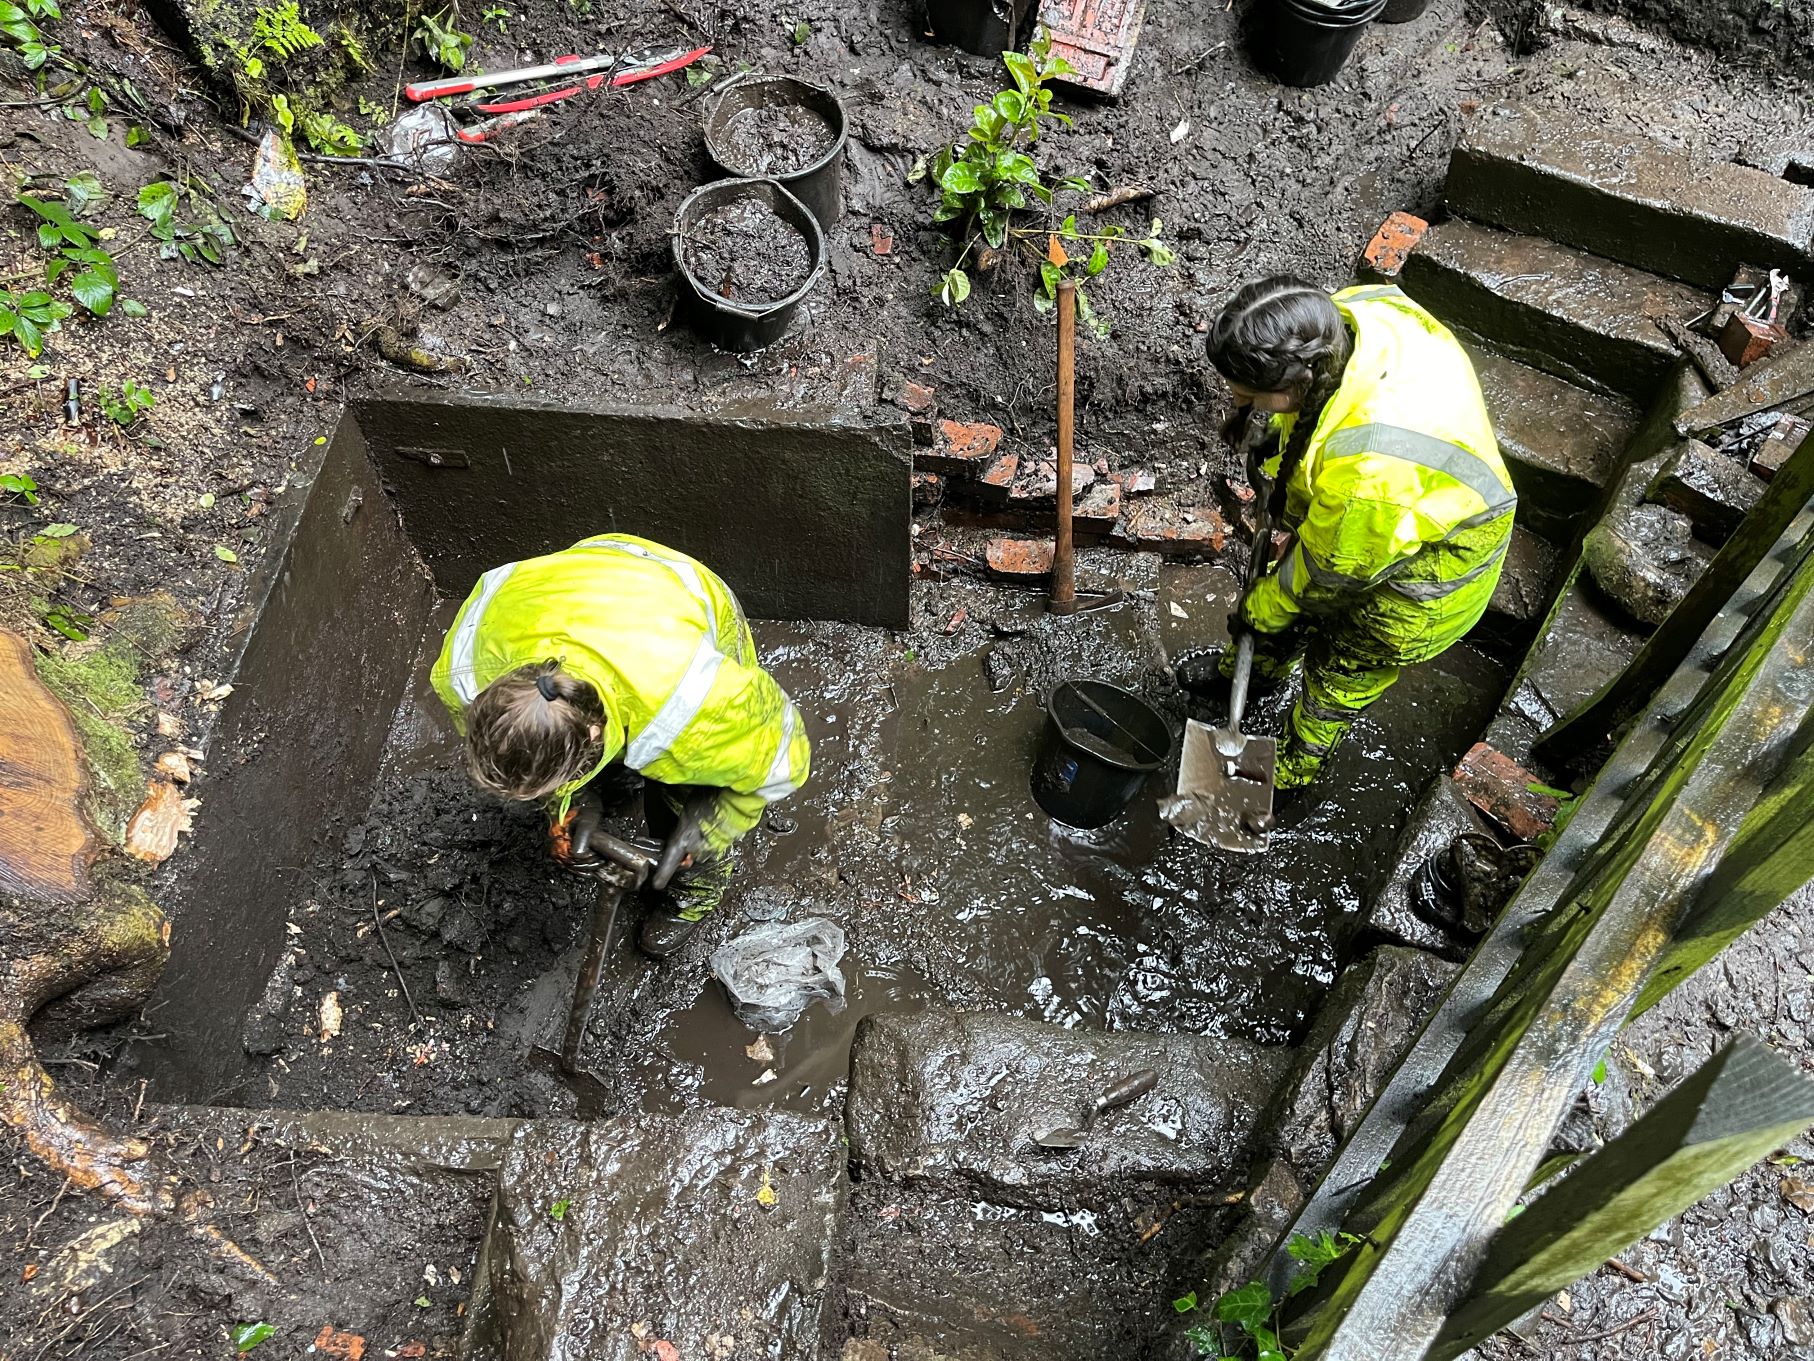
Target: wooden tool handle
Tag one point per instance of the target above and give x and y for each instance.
(1064, 562)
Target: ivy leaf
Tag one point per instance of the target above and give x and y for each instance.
(1248, 1306)
(157, 201)
(132, 307)
(85, 193)
(224, 553)
(953, 288)
(246, 1336)
(56, 531)
(1185, 1303)
(94, 290)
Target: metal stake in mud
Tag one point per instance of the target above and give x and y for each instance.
(625, 867)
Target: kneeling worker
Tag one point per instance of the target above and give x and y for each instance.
(1393, 487)
(618, 649)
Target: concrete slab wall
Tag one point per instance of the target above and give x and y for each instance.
(805, 521)
(330, 636)
(1770, 34)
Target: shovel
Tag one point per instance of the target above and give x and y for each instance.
(1225, 776)
(1125, 1092)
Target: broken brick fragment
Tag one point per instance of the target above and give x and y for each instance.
(995, 480)
(921, 403)
(928, 490)
(1100, 507)
(961, 448)
(1506, 792)
(347, 1346)
(1785, 438)
(881, 238)
(1185, 533)
(1712, 489)
(1744, 340)
(1136, 481)
(1019, 559)
(1393, 243)
(1036, 484)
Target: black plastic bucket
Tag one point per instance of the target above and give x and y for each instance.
(819, 184)
(718, 319)
(1402, 11)
(1304, 43)
(1099, 745)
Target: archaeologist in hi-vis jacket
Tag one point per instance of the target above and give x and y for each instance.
(1389, 481)
(620, 650)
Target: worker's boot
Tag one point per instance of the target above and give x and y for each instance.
(1209, 672)
(693, 896)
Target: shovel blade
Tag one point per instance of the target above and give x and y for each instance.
(1224, 800)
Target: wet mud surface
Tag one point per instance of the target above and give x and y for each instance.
(747, 253)
(777, 140)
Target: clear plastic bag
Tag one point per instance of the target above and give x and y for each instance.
(775, 971)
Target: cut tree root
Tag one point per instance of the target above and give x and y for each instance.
(90, 964)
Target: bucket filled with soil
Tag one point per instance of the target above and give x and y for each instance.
(780, 128)
(749, 252)
(1307, 42)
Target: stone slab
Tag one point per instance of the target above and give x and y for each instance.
(1563, 444)
(1643, 559)
(805, 519)
(710, 1231)
(1712, 489)
(1583, 318)
(957, 1098)
(1522, 596)
(1583, 645)
(1618, 194)
(1442, 813)
(1785, 378)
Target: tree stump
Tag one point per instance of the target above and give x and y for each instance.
(46, 843)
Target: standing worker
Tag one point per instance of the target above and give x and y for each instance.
(618, 649)
(1390, 481)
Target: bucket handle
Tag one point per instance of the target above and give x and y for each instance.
(1157, 758)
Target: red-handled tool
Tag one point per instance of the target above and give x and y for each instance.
(645, 69)
(558, 68)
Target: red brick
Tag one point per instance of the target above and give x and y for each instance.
(1020, 559)
(1037, 483)
(1174, 532)
(1393, 243)
(881, 238)
(919, 399)
(961, 449)
(1501, 788)
(1785, 438)
(1743, 340)
(1136, 481)
(998, 477)
(1101, 505)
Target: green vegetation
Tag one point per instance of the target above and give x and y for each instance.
(16, 22)
(246, 1336)
(441, 39)
(160, 203)
(989, 184)
(1245, 1321)
(282, 31)
(27, 317)
(128, 404)
(496, 14)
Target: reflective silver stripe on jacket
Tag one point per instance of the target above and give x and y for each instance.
(1436, 590)
(1413, 446)
(679, 709)
(460, 673)
(1373, 292)
(685, 571)
(779, 783)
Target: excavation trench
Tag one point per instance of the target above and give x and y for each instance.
(342, 853)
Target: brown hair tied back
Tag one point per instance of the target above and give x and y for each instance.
(1284, 334)
(533, 730)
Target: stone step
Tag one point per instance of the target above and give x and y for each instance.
(702, 1234)
(1562, 444)
(1523, 594)
(1585, 319)
(1626, 197)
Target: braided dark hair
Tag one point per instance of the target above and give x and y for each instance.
(1284, 334)
(533, 730)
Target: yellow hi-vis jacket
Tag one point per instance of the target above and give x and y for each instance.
(1401, 505)
(665, 644)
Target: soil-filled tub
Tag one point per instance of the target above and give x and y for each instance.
(780, 128)
(749, 252)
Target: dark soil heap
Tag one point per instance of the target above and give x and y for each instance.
(747, 253)
(780, 140)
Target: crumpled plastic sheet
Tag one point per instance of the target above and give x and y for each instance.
(775, 971)
(423, 137)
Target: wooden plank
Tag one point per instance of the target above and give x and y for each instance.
(1736, 1108)
(1665, 650)
(46, 843)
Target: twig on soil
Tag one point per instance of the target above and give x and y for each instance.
(55, 1201)
(384, 940)
(1645, 1317)
(1127, 193)
(1199, 59)
(303, 1209)
(1630, 1273)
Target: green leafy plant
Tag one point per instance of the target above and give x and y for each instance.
(441, 39)
(373, 110)
(496, 14)
(558, 1211)
(72, 623)
(246, 1336)
(94, 281)
(84, 194)
(1245, 1320)
(21, 485)
(161, 203)
(281, 30)
(89, 112)
(330, 136)
(128, 404)
(16, 23)
(27, 317)
(991, 183)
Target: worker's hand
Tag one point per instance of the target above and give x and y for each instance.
(688, 837)
(570, 840)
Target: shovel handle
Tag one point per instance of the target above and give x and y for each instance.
(1237, 690)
